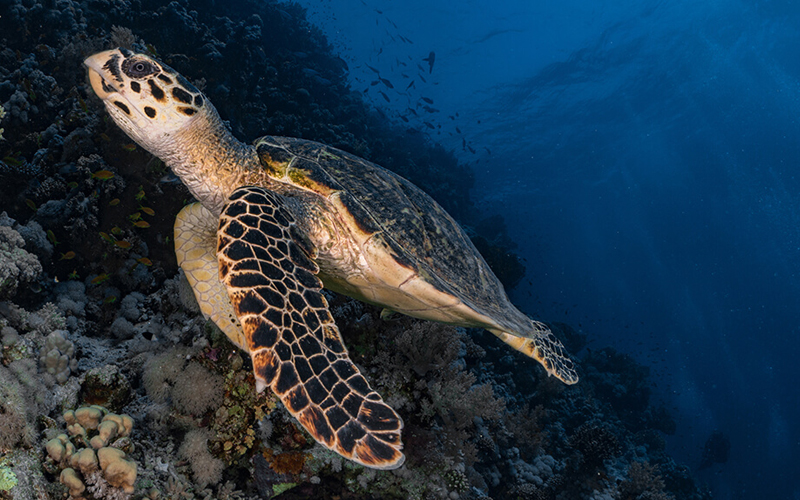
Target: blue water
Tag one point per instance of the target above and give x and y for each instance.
(645, 155)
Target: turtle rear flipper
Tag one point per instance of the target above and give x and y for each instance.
(544, 347)
(292, 338)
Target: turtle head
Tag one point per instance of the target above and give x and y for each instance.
(149, 100)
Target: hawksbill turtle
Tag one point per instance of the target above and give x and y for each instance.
(278, 220)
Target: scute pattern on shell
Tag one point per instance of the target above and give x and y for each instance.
(420, 233)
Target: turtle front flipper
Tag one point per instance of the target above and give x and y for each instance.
(292, 338)
(195, 244)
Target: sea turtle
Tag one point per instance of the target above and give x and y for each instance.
(278, 220)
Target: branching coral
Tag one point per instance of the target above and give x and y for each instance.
(596, 443)
(16, 264)
(643, 483)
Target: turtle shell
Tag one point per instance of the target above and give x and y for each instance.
(417, 232)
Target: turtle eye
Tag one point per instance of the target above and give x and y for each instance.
(138, 69)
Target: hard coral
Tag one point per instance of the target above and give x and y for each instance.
(16, 265)
(596, 443)
(643, 483)
(92, 457)
(57, 356)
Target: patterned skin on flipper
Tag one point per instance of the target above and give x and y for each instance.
(292, 338)
(195, 237)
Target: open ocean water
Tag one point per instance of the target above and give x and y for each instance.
(646, 158)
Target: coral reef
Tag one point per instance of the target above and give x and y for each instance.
(93, 309)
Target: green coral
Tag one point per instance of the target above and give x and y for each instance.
(7, 477)
(234, 421)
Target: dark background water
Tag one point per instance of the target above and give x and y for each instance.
(645, 156)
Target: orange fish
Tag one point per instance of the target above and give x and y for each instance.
(129, 147)
(144, 260)
(67, 256)
(123, 244)
(30, 204)
(107, 237)
(100, 278)
(110, 299)
(116, 231)
(141, 223)
(113, 202)
(103, 175)
(148, 210)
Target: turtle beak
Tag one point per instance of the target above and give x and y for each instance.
(102, 67)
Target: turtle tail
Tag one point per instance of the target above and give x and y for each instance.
(540, 344)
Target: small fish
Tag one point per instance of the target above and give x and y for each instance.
(103, 175)
(30, 204)
(116, 231)
(149, 211)
(123, 244)
(141, 224)
(430, 60)
(105, 137)
(385, 96)
(129, 147)
(135, 216)
(145, 261)
(100, 278)
(107, 238)
(140, 195)
(14, 162)
(110, 299)
(83, 105)
(429, 101)
(410, 85)
(67, 256)
(73, 275)
(72, 185)
(373, 69)
(386, 82)
(52, 237)
(429, 124)
(114, 202)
